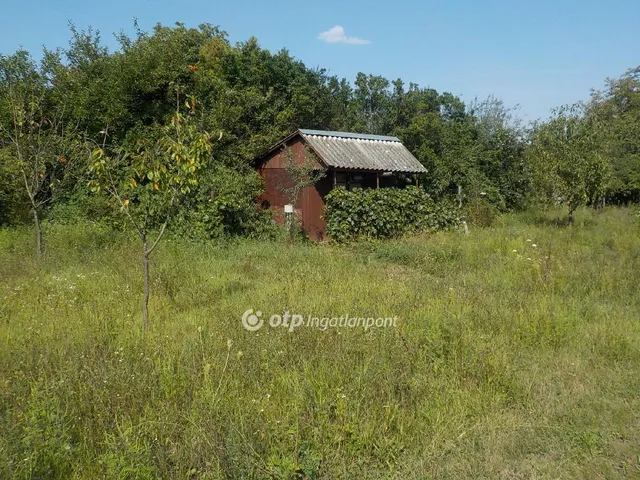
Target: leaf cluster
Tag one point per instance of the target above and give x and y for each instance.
(385, 213)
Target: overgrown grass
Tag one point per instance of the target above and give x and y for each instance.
(509, 360)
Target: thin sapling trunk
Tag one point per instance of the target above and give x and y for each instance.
(145, 294)
(38, 228)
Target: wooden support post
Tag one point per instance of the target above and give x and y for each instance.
(335, 180)
(377, 179)
(417, 181)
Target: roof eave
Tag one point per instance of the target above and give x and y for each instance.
(373, 170)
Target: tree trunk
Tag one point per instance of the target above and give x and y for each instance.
(36, 220)
(571, 217)
(145, 295)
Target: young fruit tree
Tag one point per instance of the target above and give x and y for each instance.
(148, 180)
(567, 159)
(33, 133)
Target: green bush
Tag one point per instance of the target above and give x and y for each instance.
(224, 205)
(480, 212)
(385, 213)
(14, 204)
(82, 206)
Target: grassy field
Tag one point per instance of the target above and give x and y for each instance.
(516, 355)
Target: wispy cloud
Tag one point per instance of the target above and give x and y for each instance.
(337, 35)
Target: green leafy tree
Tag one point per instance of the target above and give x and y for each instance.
(500, 138)
(567, 160)
(148, 180)
(12, 195)
(617, 110)
(371, 99)
(36, 140)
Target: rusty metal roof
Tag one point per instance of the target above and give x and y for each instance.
(362, 152)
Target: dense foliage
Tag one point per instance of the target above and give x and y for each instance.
(617, 110)
(569, 167)
(385, 212)
(248, 98)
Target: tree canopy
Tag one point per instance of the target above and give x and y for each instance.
(250, 98)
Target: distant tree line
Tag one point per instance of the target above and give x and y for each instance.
(60, 116)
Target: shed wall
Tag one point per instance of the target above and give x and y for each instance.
(311, 200)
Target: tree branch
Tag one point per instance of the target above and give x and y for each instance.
(164, 225)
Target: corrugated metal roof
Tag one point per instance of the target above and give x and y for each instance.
(362, 152)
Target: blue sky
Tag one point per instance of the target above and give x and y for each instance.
(537, 54)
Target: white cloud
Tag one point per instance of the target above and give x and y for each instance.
(337, 35)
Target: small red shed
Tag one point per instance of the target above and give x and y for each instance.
(351, 160)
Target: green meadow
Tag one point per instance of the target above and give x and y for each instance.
(516, 354)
